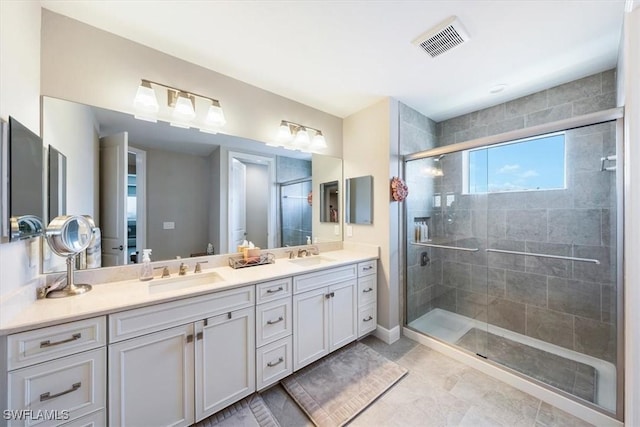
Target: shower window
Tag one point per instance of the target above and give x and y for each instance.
(524, 165)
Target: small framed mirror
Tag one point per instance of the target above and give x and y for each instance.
(57, 183)
(329, 202)
(359, 200)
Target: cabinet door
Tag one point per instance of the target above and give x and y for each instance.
(310, 327)
(343, 324)
(151, 379)
(225, 360)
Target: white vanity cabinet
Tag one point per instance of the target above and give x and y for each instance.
(324, 313)
(57, 375)
(274, 329)
(165, 357)
(367, 297)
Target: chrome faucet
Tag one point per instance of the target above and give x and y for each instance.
(165, 271)
(183, 269)
(302, 252)
(198, 268)
(314, 250)
(292, 254)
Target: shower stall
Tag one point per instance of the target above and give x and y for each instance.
(295, 211)
(513, 253)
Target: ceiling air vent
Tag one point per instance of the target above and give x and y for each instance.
(443, 37)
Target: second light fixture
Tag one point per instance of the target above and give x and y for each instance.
(297, 136)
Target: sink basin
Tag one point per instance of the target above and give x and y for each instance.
(183, 282)
(311, 261)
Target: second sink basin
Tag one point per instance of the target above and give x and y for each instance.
(182, 282)
(311, 261)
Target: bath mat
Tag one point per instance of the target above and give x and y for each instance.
(334, 390)
(573, 377)
(249, 412)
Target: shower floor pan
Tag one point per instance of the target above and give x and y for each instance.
(594, 380)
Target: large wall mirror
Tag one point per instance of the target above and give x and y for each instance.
(175, 190)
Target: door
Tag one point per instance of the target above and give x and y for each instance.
(343, 324)
(113, 198)
(311, 323)
(225, 360)
(238, 204)
(151, 379)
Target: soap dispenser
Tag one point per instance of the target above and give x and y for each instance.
(308, 240)
(146, 273)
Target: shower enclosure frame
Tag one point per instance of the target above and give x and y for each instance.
(610, 115)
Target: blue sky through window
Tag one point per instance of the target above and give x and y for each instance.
(532, 164)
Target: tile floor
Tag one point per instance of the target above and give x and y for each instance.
(438, 391)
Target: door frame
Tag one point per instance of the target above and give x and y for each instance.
(141, 197)
(270, 162)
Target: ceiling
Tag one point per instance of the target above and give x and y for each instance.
(341, 56)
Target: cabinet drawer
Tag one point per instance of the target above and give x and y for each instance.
(132, 323)
(323, 278)
(367, 290)
(273, 321)
(41, 345)
(367, 319)
(274, 362)
(76, 384)
(269, 291)
(367, 268)
(95, 419)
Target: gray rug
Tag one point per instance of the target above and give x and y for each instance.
(249, 412)
(336, 389)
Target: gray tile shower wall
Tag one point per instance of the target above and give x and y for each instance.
(571, 304)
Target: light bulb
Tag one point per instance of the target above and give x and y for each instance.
(319, 141)
(284, 133)
(145, 99)
(302, 137)
(184, 107)
(215, 115)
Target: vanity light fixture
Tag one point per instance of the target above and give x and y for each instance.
(296, 136)
(184, 107)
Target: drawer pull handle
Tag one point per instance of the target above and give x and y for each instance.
(273, 291)
(46, 396)
(368, 319)
(367, 290)
(48, 343)
(272, 364)
(367, 268)
(273, 322)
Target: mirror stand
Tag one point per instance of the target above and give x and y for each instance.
(71, 288)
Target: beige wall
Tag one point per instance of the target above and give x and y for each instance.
(93, 67)
(71, 129)
(20, 98)
(370, 148)
(631, 52)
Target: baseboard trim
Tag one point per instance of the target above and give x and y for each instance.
(387, 335)
(574, 408)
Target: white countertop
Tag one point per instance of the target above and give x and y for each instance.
(122, 295)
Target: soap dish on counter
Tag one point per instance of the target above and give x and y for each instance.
(240, 262)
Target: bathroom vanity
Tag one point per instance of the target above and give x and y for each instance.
(128, 354)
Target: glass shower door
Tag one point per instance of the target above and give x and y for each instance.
(513, 254)
(295, 212)
(447, 277)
